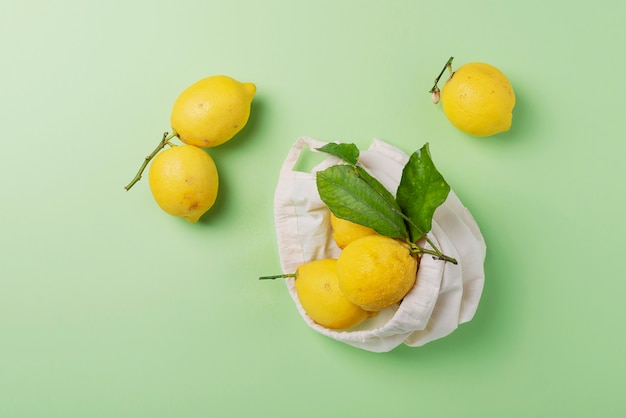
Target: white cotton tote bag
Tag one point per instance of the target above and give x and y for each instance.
(444, 296)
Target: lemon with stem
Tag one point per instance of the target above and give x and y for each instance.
(206, 114)
(477, 98)
(317, 287)
(184, 181)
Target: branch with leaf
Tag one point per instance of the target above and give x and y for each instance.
(351, 193)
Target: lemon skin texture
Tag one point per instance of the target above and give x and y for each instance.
(376, 272)
(212, 111)
(184, 181)
(344, 231)
(478, 99)
(319, 294)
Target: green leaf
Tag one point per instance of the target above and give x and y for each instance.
(421, 191)
(378, 188)
(347, 152)
(352, 196)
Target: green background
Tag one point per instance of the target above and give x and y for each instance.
(111, 308)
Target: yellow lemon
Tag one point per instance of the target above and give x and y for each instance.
(478, 99)
(344, 231)
(212, 111)
(318, 291)
(376, 272)
(184, 181)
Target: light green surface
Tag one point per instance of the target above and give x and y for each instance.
(110, 308)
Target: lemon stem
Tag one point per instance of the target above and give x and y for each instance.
(164, 141)
(278, 276)
(437, 251)
(448, 66)
(436, 254)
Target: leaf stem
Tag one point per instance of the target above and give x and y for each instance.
(164, 141)
(435, 253)
(278, 276)
(448, 66)
(432, 244)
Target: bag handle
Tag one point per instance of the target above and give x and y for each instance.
(296, 151)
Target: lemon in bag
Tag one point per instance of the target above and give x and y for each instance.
(376, 272)
(319, 294)
(344, 231)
